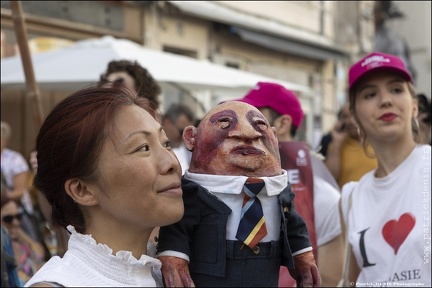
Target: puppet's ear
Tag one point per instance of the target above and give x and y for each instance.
(189, 134)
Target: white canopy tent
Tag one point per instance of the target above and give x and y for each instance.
(81, 65)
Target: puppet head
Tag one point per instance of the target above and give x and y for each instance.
(233, 138)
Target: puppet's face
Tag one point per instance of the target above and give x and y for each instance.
(233, 138)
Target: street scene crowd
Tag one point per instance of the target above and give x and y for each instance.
(118, 193)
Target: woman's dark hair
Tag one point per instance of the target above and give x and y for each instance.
(69, 143)
(145, 85)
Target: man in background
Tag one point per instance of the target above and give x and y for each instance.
(175, 119)
(136, 78)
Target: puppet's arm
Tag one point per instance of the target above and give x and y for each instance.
(175, 272)
(306, 271)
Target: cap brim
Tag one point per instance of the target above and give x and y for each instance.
(406, 75)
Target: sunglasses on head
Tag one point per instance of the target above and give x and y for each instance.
(9, 218)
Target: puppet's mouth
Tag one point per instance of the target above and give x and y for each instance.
(247, 150)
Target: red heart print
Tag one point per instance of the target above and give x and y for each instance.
(395, 232)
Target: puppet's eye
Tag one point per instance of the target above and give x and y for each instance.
(261, 123)
(224, 122)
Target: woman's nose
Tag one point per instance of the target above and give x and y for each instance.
(169, 162)
(386, 98)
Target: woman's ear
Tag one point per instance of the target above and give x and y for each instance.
(80, 192)
(189, 134)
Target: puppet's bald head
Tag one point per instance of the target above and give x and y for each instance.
(233, 138)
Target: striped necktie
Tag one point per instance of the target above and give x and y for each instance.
(252, 227)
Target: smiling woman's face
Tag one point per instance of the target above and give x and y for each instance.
(234, 138)
(139, 182)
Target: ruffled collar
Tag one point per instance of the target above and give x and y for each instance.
(120, 266)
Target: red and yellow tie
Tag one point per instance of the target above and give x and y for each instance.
(252, 227)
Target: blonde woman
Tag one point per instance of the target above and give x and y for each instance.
(388, 220)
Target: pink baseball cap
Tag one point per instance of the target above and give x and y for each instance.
(376, 61)
(276, 97)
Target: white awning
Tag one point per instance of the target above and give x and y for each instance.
(83, 63)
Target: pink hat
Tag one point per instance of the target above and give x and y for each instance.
(276, 97)
(375, 61)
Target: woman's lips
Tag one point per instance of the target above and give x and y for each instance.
(174, 189)
(388, 117)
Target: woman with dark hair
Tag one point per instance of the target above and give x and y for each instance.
(387, 211)
(106, 168)
(118, 72)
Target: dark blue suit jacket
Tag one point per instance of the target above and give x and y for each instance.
(201, 233)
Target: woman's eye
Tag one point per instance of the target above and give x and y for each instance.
(224, 122)
(368, 95)
(397, 90)
(167, 144)
(144, 147)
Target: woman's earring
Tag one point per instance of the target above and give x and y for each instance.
(359, 135)
(417, 125)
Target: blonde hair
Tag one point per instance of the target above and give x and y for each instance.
(6, 130)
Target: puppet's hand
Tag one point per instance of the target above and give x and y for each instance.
(175, 272)
(306, 272)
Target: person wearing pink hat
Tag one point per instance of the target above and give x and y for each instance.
(387, 212)
(317, 193)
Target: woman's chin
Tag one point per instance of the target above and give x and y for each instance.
(176, 215)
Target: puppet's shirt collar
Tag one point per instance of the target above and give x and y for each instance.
(234, 184)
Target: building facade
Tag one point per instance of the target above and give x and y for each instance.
(416, 18)
(309, 43)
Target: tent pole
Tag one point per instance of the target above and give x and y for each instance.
(31, 85)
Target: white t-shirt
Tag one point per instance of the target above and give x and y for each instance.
(326, 211)
(389, 223)
(12, 164)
